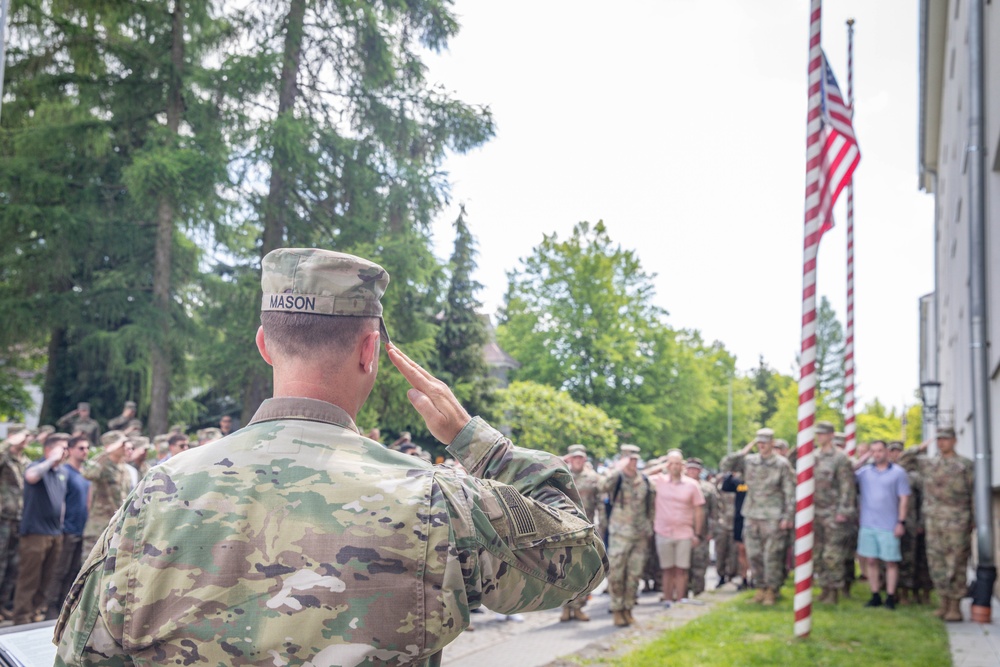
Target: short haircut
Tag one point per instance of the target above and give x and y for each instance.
(55, 438)
(877, 442)
(302, 334)
(77, 439)
(175, 438)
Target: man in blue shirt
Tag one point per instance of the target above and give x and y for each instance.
(71, 554)
(884, 491)
(41, 529)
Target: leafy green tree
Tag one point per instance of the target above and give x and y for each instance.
(771, 384)
(876, 422)
(463, 333)
(541, 417)
(350, 136)
(914, 424)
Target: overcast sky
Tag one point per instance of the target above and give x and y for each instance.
(681, 124)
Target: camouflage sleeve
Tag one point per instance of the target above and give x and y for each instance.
(910, 458)
(101, 468)
(83, 634)
(788, 489)
(522, 539)
(485, 453)
(847, 488)
(730, 462)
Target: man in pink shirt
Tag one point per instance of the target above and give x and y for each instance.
(679, 515)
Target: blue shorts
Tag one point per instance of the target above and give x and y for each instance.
(881, 544)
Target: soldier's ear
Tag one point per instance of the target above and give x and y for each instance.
(368, 353)
(262, 346)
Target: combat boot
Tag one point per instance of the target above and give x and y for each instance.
(847, 591)
(834, 596)
(567, 615)
(768, 600)
(620, 619)
(828, 595)
(940, 611)
(580, 615)
(953, 613)
(758, 597)
(903, 597)
(628, 616)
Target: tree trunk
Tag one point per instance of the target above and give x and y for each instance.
(275, 207)
(49, 412)
(159, 409)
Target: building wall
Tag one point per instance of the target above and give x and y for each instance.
(952, 227)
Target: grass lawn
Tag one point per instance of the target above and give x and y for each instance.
(740, 633)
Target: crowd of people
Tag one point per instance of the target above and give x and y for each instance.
(324, 542)
(902, 520)
(53, 509)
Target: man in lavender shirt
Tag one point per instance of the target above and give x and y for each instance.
(884, 491)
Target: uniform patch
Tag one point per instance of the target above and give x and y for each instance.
(517, 510)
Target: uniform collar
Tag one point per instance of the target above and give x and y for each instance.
(303, 408)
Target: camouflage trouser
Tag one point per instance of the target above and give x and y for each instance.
(699, 563)
(914, 573)
(830, 550)
(725, 551)
(626, 558)
(949, 546)
(8, 558)
(766, 546)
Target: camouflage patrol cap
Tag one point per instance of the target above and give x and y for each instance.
(322, 282)
(138, 441)
(694, 462)
(895, 446)
(576, 450)
(130, 404)
(946, 432)
(83, 406)
(765, 434)
(825, 427)
(630, 450)
(46, 430)
(111, 437)
(839, 438)
(780, 443)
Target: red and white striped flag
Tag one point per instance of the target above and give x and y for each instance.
(840, 154)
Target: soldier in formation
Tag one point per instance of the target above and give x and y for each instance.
(700, 552)
(629, 528)
(588, 485)
(914, 574)
(13, 463)
(947, 509)
(768, 511)
(834, 501)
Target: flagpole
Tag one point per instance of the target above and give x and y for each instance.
(805, 486)
(849, 426)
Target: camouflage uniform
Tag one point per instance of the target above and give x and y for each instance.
(12, 467)
(588, 484)
(947, 510)
(295, 541)
(770, 499)
(629, 530)
(700, 555)
(89, 427)
(110, 485)
(836, 493)
(726, 559)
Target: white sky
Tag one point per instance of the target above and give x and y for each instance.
(681, 124)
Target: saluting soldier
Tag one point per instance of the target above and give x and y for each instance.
(588, 484)
(296, 540)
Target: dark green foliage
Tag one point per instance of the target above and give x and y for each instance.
(463, 333)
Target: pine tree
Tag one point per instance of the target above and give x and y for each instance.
(463, 333)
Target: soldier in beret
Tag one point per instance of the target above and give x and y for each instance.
(296, 540)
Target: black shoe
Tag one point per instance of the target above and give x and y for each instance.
(890, 601)
(876, 601)
(722, 580)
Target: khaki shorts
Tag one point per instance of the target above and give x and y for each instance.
(673, 553)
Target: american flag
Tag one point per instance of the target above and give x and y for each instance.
(840, 154)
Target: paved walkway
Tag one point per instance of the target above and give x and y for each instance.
(975, 644)
(541, 639)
